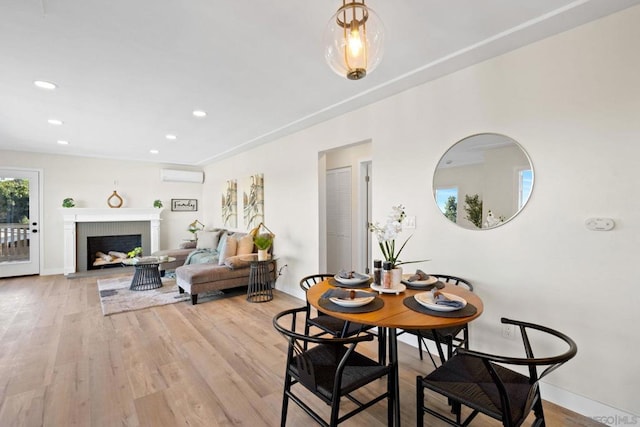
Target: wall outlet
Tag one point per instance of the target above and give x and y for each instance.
(508, 332)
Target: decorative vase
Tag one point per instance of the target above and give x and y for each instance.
(263, 254)
(396, 277)
(114, 201)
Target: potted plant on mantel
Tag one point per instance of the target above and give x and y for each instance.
(262, 239)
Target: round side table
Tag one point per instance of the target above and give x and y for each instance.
(261, 280)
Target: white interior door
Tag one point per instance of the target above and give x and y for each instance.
(339, 200)
(19, 222)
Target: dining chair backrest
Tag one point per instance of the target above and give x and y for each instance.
(308, 281)
(329, 367)
(504, 394)
(458, 281)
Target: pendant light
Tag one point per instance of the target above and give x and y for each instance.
(354, 40)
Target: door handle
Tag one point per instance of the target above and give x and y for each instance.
(34, 231)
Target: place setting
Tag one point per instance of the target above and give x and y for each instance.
(438, 303)
(350, 279)
(350, 301)
(421, 281)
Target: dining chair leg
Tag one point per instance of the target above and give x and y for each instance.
(390, 400)
(393, 359)
(419, 402)
(537, 409)
(335, 411)
(285, 400)
(420, 346)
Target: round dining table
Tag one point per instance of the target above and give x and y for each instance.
(393, 315)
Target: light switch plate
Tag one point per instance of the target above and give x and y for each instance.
(599, 224)
(410, 222)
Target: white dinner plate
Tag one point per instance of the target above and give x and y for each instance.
(395, 290)
(356, 302)
(425, 299)
(430, 281)
(354, 281)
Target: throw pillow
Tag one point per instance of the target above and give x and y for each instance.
(226, 249)
(245, 245)
(207, 239)
(238, 261)
(187, 245)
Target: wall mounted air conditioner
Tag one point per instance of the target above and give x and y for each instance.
(174, 175)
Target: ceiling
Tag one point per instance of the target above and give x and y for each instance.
(131, 72)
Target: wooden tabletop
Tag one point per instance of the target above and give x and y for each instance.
(395, 314)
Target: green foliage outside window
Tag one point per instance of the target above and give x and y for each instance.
(14, 201)
(451, 209)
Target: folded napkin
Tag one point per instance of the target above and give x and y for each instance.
(442, 300)
(420, 275)
(343, 274)
(346, 294)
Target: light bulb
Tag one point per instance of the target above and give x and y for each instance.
(355, 42)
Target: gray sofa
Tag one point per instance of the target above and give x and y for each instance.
(220, 260)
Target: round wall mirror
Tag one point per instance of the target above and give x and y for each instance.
(483, 181)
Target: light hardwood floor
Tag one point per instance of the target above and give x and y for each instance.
(219, 363)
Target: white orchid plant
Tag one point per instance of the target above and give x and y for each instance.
(387, 233)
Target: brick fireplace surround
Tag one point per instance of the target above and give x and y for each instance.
(72, 216)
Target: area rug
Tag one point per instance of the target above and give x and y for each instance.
(115, 296)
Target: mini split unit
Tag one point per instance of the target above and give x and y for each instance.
(173, 175)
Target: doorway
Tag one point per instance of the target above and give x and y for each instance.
(345, 208)
(19, 222)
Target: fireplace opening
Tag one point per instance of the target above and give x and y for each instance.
(108, 251)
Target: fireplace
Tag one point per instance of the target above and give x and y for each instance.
(107, 251)
(81, 224)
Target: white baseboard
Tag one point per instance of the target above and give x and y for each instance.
(598, 411)
(51, 271)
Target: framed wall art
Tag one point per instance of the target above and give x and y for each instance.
(184, 205)
(253, 202)
(230, 204)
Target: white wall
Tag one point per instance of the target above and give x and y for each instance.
(573, 102)
(90, 182)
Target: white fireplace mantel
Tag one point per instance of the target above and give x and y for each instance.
(74, 215)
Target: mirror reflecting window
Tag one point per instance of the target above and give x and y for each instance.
(483, 181)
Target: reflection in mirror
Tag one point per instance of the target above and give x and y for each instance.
(483, 181)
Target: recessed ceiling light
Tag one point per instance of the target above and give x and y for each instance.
(61, 142)
(45, 85)
(170, 136)
(55, 122)
(199, 113)
(154, 151)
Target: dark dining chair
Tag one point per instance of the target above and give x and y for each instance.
(330, 368)
(480, 382)
(331, 325)
(453, 337)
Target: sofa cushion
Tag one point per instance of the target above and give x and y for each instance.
(204, 273)
(227, 248)
(238, 261)
(187, 245)
(208, 239)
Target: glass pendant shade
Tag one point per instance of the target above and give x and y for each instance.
(354, 40)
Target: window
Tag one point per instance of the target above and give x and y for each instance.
(525, 180)
(447, 200)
